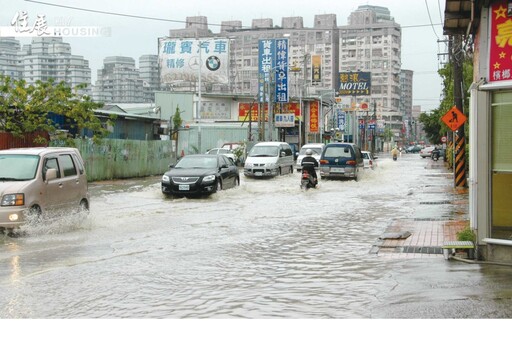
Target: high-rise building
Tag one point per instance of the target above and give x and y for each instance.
(51, 58)
(118, 81)
(148, 72)
(9, 59)
(371, 42)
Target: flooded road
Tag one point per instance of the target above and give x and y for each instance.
(263, 250)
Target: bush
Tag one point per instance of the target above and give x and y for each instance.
(466, 235)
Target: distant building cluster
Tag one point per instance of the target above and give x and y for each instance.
(370, 42)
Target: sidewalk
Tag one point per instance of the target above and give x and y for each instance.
(424, 238)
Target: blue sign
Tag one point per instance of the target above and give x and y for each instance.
(281, 70)
(341, 119)
(273, 58)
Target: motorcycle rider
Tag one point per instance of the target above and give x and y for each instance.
(309, 163)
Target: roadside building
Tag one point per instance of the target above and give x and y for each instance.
(482, 28)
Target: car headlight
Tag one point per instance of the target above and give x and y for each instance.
(248, 165)
(209, 178)
(166, 178)
(17, 199)
(270, 165)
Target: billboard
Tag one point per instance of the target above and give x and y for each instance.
(183, 59)
(355, 83)
(500, 50)
(273, 60)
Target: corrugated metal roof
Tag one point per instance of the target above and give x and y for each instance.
(461, 16)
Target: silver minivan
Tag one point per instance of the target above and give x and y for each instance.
(37, 180)
(267, 159)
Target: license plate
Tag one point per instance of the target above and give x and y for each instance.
(337, 170)
(184, 187)
(258, 173)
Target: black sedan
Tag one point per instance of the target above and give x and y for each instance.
(200, 174)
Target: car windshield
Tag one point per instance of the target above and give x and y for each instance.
(264, 151)
(316, 151)
(18, 167)
(197, 162)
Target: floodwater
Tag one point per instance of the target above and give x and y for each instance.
(263, 250)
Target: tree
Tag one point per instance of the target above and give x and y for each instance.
(26, 108)
(432, 125)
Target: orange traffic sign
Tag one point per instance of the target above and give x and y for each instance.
(454, 118)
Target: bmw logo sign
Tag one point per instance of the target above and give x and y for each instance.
(213, 63)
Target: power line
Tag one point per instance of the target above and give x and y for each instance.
(173, 20)
(430, 18)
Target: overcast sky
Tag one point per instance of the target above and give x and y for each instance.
(421, 22)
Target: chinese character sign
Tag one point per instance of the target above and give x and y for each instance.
(183, 59)
(500, 53)
(313, 116)
(316, 68)
(355, 83)
(273, 67)
(281, 70)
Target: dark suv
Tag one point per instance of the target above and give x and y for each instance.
(341, 160)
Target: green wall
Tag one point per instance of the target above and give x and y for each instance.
(119, 159)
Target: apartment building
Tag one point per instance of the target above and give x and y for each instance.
(9, 61)
(118, 81)
(44, 59)
(371, 42)
(148, 73)
(305, 44)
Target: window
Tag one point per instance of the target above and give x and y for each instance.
(51, 163)
(68, 166)
(501, 164)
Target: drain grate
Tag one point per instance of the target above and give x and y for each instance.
(432, 219)
(430, 250)
(442, 202)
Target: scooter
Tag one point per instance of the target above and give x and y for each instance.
(307, 181)
(435, 155)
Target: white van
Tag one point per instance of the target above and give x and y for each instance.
(39, 180)
(268, 159)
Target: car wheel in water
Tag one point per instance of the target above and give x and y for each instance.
(84, 205)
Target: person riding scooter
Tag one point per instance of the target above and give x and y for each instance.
(309, 163)
(394, 153)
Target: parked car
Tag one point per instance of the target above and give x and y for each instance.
(39, 181)
(223, 151)
(426, 152)
(316, 148)
(200, 174)
(341, 160)
(413, 149)
(239, 149)
(369, 159)
(268, 159)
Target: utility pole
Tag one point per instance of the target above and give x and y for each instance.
(459, 147)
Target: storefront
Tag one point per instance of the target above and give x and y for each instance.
(490, 139)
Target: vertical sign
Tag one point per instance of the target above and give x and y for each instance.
(340, 115)
(500, 53)
(316, 68)
(273, 65)
(313, 117)
(281, 70)
(266, 62)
